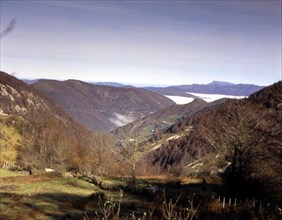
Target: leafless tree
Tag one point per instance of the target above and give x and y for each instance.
(102, 153)
(234, 134)
(132, 153)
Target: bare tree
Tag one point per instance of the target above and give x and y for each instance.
(132, 153)
(103, 153)
(234, 134)
(133, 156)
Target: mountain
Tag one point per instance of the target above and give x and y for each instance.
(37, 133)
(109, 84)
(102, 107)
(240, 138)
(215, 87)
(262, 104)
(149, 126)
(29, 81)
(220, 83)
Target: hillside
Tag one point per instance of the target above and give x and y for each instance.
(149, 126)
(102, 107)
(36, 132)
(267, 101)
(241, 137)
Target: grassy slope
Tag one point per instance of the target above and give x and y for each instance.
(42, 196)
(10, 140)
(51, 197)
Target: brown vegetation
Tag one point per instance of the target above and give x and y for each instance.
(246, 132)
(49, 137)
(242, 138)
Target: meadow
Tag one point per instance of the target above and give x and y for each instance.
(52, 196)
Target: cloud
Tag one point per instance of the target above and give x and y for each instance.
(175, 42)
(121, 120)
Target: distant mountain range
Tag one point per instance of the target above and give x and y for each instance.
(108, 105)
(109, 84)
(31, 81)
(101, 107)
(216, 87)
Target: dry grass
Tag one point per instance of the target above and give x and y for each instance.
(191, 180)
(10, 140)
(8, 173)
(23, 179)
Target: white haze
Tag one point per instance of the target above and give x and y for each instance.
(180, 100)
(213, 97)
(121, 120)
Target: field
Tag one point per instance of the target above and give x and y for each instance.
(51, 196)
(7, 173)
(41, 196)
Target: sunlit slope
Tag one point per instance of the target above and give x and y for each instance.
(10, 140)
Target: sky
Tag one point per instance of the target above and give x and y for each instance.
(143, 42)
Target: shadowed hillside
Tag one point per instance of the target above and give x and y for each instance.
(102, 107)
(241, 138)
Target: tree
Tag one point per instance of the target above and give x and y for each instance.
(237, 132)
(233, 133)
(133, 156)
(103, 153)
(132, 153)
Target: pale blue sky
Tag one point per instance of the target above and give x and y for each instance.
(144, 42)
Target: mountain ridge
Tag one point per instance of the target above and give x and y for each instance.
(260, 116)
(215, 87)
(149, 126)
(40, 123)
(102, 107)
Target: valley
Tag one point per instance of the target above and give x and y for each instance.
(154, 152)
(101, 107)
(140, 110)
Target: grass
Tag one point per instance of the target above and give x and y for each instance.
(8, 173)
(10, 140)
(42, 196)
(156, 125)
(51, 197)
